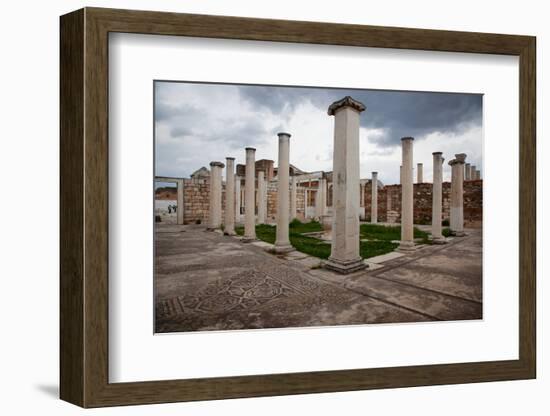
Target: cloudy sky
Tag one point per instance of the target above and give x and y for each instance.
(199, 123)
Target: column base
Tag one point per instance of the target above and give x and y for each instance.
(282, 249)
(212, 228)
(458, 233)
(406, 247)
(345, 267)
(439, 240)
(229, 232)
(248, 239)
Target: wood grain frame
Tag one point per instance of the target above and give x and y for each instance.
(84, 207)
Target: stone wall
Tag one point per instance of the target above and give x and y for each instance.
(197, 193)
(272, 202)
(389, 203)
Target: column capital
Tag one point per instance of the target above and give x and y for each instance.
(230, 158)
(250, 149)
(374, 173)
(437, 153)
(347, 101)
(282, 134)
(460, 158)
(407, 138)
(218, 164)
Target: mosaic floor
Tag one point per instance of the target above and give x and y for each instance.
(207, 281)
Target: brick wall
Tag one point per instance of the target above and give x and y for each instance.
(272, 202)
(389, 203)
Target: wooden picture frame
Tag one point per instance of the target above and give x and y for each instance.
(84, 207)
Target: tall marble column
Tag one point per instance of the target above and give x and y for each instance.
(293, 190)
(473, 172)
(457, 194)
(478, 174)
(344, 254)
(249, 195)
(437, 198)
(238, 197)
(401, 175)
(467, 172)
(229, 222)
(215, 208)
(419, 173)
(282, 241)
(181, 208)
(407, 220)
(374, 198)
(262, 198)
(321, 199)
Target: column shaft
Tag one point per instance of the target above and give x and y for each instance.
(407, 221)
(293, 209)
(262, 198)
(437, 197)
(419, 173)
(238, 197)
(345, 256)
(215, 208)
(282, 242)
(374, 198)
(180, 208)
(229, 223)
(249, 195)
(457, 194)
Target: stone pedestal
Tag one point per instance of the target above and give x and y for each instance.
(293, 191)
(419, 173)
(407, 225)
(262, 198)
(229, 222)
(457, 194)
(282, 242)
(238, 198)
(249, 197)
(437, 198)
(344, 255)
(215, 209)
(374, 198)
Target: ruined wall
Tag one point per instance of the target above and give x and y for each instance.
(272, 202)
(389, 203)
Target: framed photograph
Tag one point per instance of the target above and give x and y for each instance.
(255, 207)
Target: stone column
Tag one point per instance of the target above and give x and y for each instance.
(262, 198)
(293, 209)
(457, 194)
(180, 208)
(437, 198)
(374, 198)
(344, 254)
(467, 172)
(478, 175)
(407, 220)
(321, 198)
(229, 220)
(473, 172)
(238, 199)
(215, 209)
(282, 242)
(401, 175)
(419, 173)
(249, 191)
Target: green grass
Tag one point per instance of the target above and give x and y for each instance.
(314, 246)
(387, 233)
(446, 232)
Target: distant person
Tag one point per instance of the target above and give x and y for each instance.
(169, 209)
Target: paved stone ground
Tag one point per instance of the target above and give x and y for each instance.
(207, 281)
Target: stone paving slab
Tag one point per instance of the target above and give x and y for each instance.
(385, 257)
